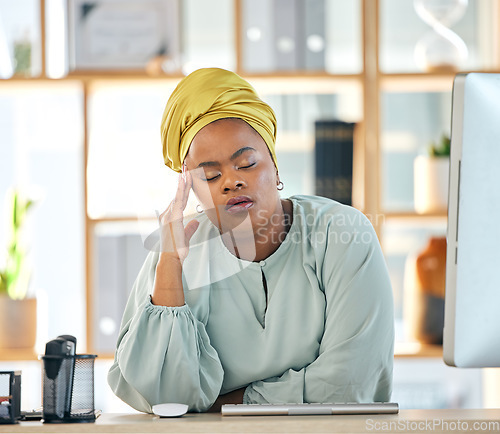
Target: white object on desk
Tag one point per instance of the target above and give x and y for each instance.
(170, 409)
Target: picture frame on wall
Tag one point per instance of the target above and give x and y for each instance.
(123, 34)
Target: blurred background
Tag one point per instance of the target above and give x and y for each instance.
(83, 85)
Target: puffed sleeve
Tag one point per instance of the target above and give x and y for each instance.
(355, 358)
(163, 353)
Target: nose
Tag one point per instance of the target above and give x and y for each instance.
(233, 182)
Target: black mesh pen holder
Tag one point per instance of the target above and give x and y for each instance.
(10, 396)
(68, 388)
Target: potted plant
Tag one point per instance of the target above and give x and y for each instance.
(17, 310)
(431, 178)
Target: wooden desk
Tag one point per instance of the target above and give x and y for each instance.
(410, 421)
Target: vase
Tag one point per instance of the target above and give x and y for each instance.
(431, 184)
(425, 281)
(17, 323)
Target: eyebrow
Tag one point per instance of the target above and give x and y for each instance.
(232, 157)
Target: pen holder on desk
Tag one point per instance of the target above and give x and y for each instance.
(68, 388)
(10, 396)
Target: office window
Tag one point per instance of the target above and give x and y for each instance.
(126, 176)
(41, 153)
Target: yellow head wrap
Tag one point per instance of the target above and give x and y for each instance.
(207, 95)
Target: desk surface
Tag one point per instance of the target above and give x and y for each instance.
(435, 421)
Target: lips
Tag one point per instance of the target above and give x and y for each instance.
(239, 203)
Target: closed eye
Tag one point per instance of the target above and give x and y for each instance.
(246, 167)
(212, 178)
(216, 176)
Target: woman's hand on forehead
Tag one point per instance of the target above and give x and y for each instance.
(174, 238)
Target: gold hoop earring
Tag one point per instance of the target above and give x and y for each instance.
(199, 208)
(280, 186)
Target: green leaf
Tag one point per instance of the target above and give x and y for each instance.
(15, 220)
(16, 275)
(3, 282)
(441, 149)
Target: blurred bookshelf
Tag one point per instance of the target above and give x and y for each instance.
(359, 68)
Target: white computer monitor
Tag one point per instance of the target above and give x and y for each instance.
(472, 302)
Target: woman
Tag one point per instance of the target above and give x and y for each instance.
(259, 299)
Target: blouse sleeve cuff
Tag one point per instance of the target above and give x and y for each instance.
(172, 309)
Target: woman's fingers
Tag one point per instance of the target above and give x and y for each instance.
(181, 195)
(174, 237)
(190, 229)
(178, 204)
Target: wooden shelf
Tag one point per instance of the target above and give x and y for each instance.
(142, 74)
(421, 82)
(299, 81)
(413, 215)
(389, 214)
(417, 83)
(18, 355)
(289, 84)
(91, 78)
(417, 350)
(121, 219)
(303, 84)
(431, 75)
(401, 350)
(366, 86)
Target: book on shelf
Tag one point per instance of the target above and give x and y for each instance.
(314, 34)
(334, 150)
(286, 28)
(258, 37)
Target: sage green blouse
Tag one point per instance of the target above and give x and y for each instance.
(311, 323)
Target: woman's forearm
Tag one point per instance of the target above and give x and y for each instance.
(168, 289)
(234, 397)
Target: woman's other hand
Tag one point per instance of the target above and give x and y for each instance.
(234, 397)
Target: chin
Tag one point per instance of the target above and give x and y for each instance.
(228, 221)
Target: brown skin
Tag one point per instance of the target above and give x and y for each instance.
(233, 170)
(251, 173)
(234, 397)
(174, 248)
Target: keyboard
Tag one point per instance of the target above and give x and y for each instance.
(309, 409)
